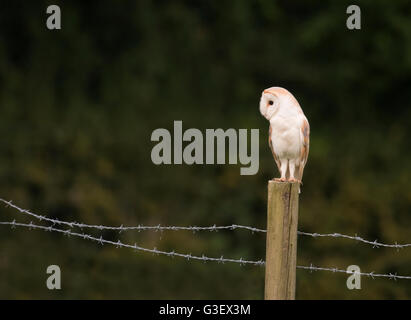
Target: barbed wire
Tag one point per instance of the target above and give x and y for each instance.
(372, 275)
(119, 244)
(203, 258)
(126, 228)
(374, 244)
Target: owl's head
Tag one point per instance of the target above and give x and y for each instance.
(272, 99)
(269, 103)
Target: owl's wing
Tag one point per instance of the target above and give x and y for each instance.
(277, 160)
(305, 144)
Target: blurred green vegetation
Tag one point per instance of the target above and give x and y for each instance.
(78, 107)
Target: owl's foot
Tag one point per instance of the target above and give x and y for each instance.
(279, 179)
(295, 180)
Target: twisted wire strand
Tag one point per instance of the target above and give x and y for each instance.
(392, 276)
(241, 261)
(125, 228)
(374, 244)
(119, 244)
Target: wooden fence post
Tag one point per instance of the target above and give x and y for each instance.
(281, 250)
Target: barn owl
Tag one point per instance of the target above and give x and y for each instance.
(289, 132)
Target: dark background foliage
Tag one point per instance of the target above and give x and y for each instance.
(78, 107)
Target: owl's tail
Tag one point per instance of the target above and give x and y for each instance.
(300, 170)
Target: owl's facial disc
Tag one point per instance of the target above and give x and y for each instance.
(268, 105)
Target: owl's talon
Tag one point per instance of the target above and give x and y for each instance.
(289, 180)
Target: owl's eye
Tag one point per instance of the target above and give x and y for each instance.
(271, 102)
